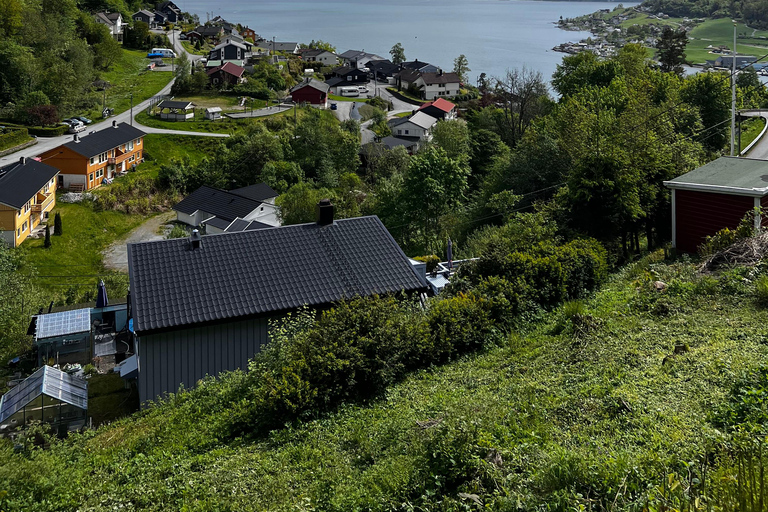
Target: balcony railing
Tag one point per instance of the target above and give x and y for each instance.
(110, 161)
(41, 206)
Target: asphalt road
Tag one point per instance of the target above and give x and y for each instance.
(760, 149)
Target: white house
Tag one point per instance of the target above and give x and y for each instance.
(419, 125)
(113, 21)
(440, 84)
(323, 56)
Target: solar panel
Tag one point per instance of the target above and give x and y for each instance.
(62, 323)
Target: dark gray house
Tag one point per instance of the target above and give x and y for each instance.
(201, 305)
(229, 50)
(350, 75)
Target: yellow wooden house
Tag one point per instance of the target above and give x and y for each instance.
(27, 194)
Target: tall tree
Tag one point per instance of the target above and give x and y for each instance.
(461, 67)
(398, 54)
(523, 96)
(670, 49)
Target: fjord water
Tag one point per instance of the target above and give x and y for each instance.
(494, 34)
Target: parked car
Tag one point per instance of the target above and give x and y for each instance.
(83, 119)
(76, 127)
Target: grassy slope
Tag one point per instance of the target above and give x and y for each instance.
(129, 75)
(720, 32)
(87, 232)
(750, 130)
(540, 419)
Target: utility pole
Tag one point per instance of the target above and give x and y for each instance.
(733, 93)
(131, 108)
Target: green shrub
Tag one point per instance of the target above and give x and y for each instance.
(432, 260)
(544, 276)
(11, 137)
(380, 103)
(761, 290)
(507, 302)
(458, 325)
(727, 237)
(41, 131)
(585, 265)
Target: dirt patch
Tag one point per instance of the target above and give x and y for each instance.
(116, 255)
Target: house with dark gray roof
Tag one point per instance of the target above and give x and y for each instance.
(278, 46)
(202, 305)
(324, 57)
(216, 209)
(27, 194)
(382, 69)
(358, 58)
(113, 21)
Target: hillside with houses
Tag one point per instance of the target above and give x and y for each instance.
(244, 273)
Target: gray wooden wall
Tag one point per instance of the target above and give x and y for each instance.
(169, 359)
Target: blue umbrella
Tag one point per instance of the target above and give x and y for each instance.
(101, 295)
(450, 253)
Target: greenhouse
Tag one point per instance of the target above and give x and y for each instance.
(49, 395)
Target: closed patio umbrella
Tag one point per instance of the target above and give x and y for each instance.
(101, 295)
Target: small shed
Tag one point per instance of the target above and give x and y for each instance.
(213, 113)
(716, 196)
(176, 110)
(49, 395)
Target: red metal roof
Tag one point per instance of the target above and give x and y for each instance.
(440, 103)
(228, 67)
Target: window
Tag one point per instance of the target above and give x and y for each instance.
(130, 145)
(406, 132)
(399, 132)
(93, 159)
(349, 78)
(90, 177)
(18, 233)
(102, 158)
(441, 85)
(26, 207)
(138, 142)
(24, 227)
(132, 158)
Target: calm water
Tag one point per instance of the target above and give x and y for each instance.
(494, 34)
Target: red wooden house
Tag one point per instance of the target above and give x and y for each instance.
(716, 196)
(311, 91)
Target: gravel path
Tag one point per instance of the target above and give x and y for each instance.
(116, 255)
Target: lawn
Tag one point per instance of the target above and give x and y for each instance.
(333, 97)
(213, 99)
(223, 125)
(128, 75)
(720, 32)
(74, 258)
(190, 47)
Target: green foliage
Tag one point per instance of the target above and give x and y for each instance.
(10, 137)
(380, 103)
(178, 231)
(47, 242)
(57, 224)
(432, 260)
(671, 50)
(398, 54)
(727, 237)
(761, 290)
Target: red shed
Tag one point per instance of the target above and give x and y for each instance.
(716, 196)
(311, 91)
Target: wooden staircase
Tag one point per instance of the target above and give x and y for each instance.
(76, 187)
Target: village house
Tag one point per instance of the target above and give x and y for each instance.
(434, 85)
(419, 126)
(405, 78)
(202, 305)
(148, 17)
(421, 67)
(278, 46)
(716, 196)
(311, 91)
(216, 209)
(113, 21)
(230, 50)
(357, 58)
(324, 57)
(228, 73)
(27, 194)
(85, 162)
(248, 33)
(349, 75)
(171, 11)
(439, 109)
(382, 70)
(204, 33)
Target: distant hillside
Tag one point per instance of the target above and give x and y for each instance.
(753, 12)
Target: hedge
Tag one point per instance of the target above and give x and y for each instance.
(11, 137)
(41, 131)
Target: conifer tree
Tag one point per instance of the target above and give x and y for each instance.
(47, 242)
(57, 224)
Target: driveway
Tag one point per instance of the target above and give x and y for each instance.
(116, 255)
